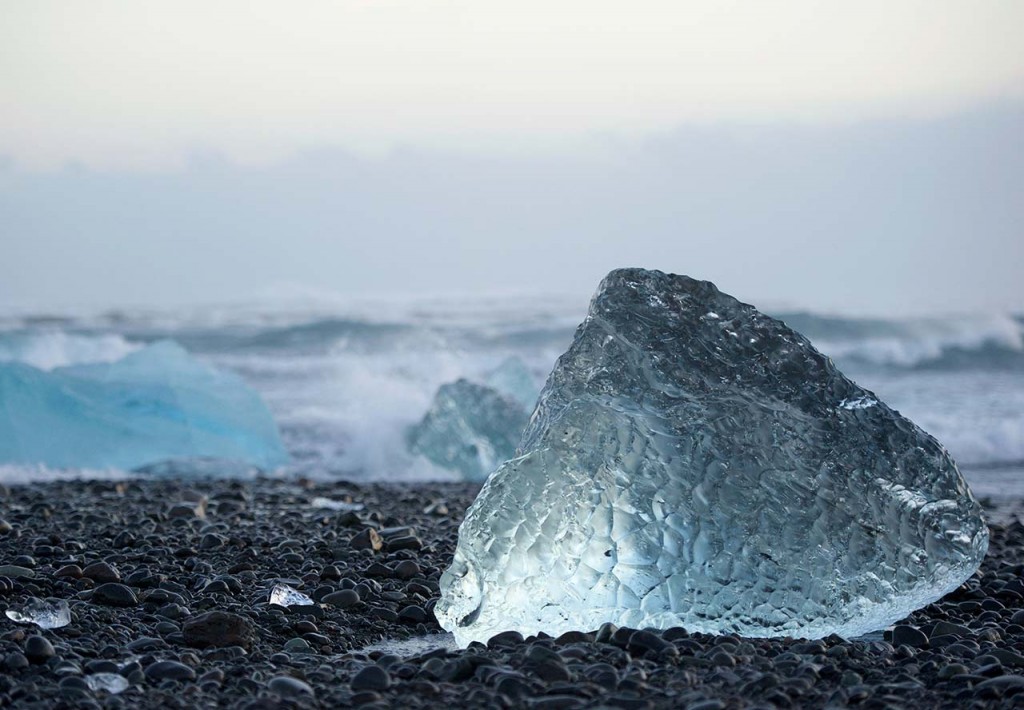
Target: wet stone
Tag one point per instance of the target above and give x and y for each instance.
(368, 539)
(169, 670)
(101, 572)
(38, 649)
(944, 628)
(114, 594)
(298, 645)
(342, 599)
(15, 661)
(16, 572)
(505, 638)
(903, 635)
(371, 678)
(412, 615)
(407, 569)
(407, 542)
(289, 687)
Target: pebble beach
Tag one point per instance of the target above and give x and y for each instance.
(169, 587)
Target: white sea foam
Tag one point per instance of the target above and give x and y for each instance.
(910, 342)
(20, 474)
(48, 349)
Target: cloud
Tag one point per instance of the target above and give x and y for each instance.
(140, 84)
(882, 216)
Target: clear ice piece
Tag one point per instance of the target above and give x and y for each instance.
(513, 379)
(112, 683)
(283, 595)
(470, 428)
(44, 613)
(155, 404)
(693, 462)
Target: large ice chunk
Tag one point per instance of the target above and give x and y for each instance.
(155, 404)
(694, 462)
(469, 428)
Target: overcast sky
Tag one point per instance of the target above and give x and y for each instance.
(862, 157)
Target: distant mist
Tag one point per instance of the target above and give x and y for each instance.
(881, 217)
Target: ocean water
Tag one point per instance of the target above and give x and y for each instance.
(345, 380)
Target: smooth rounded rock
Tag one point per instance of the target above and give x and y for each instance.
(114, 594)
(288, 687)
(101, 572)
(17, 572)
(169, 670)
(218, 629)
(342, 599)
(38, 649)
(904, 635)
(69, 572)
(371, 678)
(412, 614)
(368, 539)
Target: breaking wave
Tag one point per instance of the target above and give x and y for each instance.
(48, 349)
(993, 341)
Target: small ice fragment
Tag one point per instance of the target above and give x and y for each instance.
(283, 595)
(43, 613)
(113, 683)
(858, 403)
(339, 505)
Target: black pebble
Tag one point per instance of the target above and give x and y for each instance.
(371, 678)
(101, 572)
(218, 629)
(904, 635)
(169, 670)
(288, 687)
(412, 615)
(342, 599)
(114, 594)
(38, 649)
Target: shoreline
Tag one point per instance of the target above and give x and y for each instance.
(168, 556)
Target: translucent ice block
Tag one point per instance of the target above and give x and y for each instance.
(693, 462)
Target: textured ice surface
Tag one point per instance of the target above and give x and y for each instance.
(44, 613)
(470, 428)
(155, 404)
(283, 595)
(693, 462)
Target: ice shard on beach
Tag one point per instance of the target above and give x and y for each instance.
(283, 595)
(470, 428)
(153, 405)
(44, 613)
(693, 462)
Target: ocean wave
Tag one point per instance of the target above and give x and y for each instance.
(994, 341)
(312, 336)
(49, 348)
